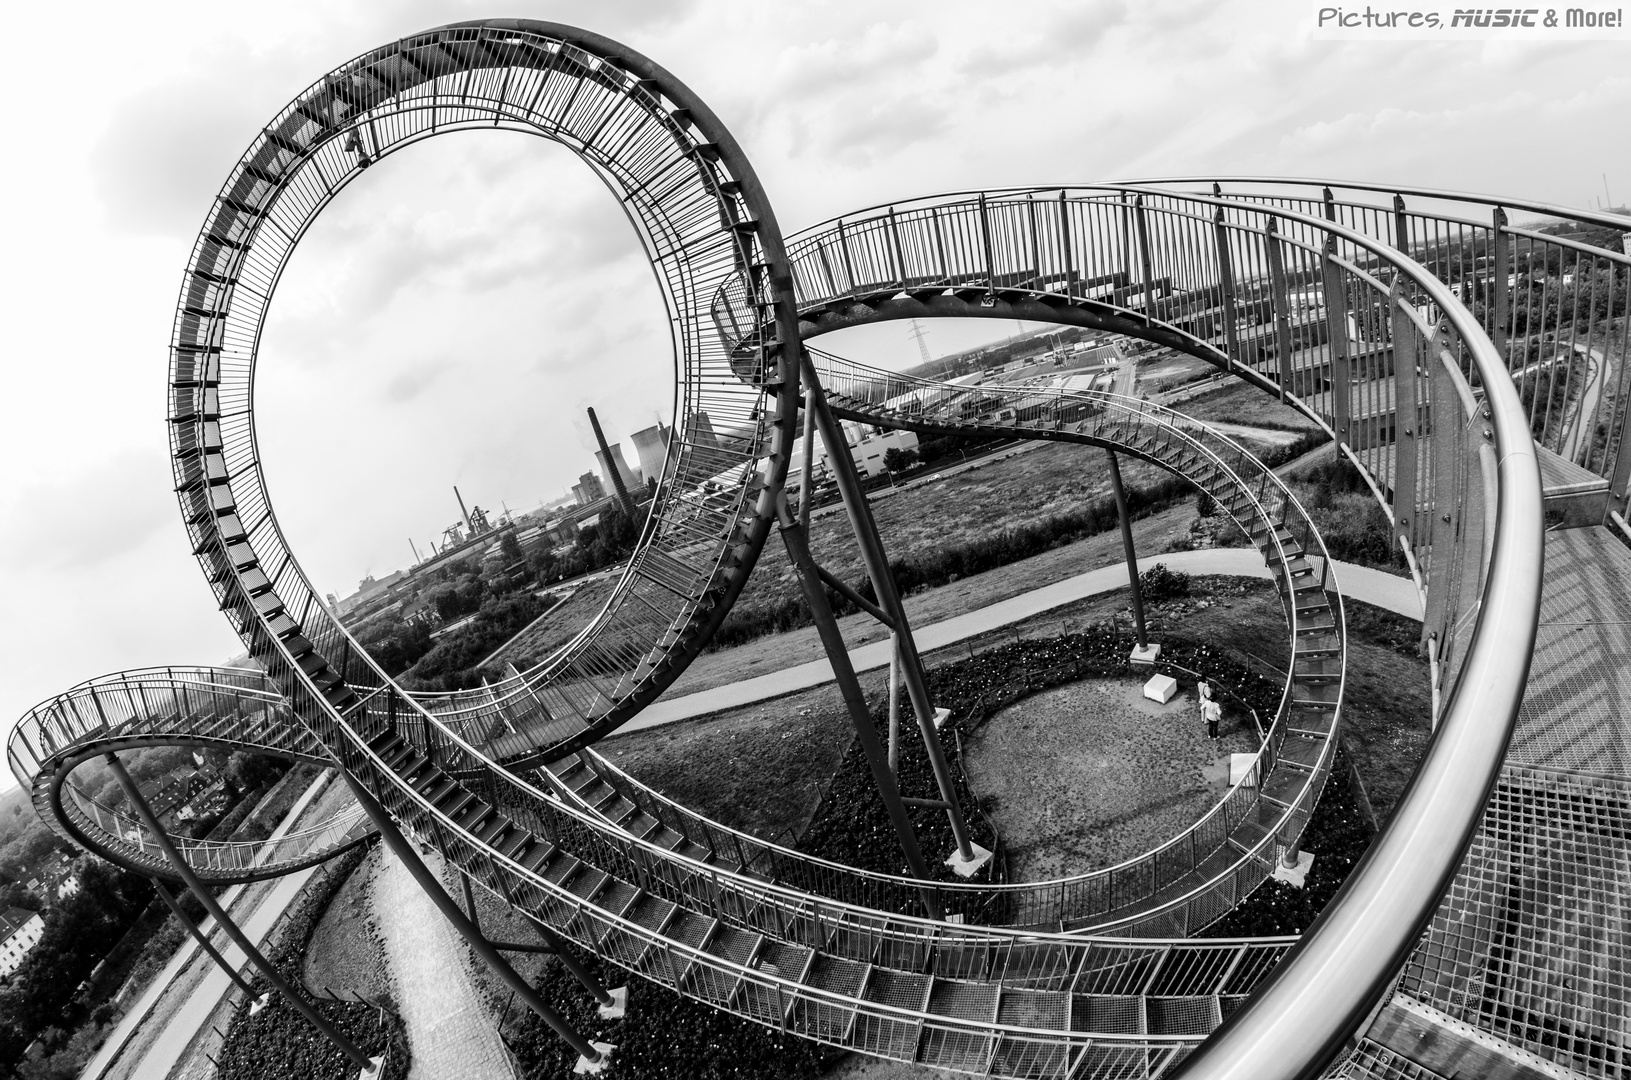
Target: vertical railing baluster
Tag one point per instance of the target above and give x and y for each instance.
(1282, 302)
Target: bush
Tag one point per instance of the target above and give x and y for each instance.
(662, 1037)
(1158, 584)
(1205, 505)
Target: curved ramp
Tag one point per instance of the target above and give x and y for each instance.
(225, 708)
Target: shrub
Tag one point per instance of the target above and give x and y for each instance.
(1205, 505)
(1158, 584)
(662, 1037)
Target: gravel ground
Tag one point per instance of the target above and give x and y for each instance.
(1090, 774)
(345, 957)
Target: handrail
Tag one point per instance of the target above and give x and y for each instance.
(728, 283)
(1198, 438)
(1366, 942)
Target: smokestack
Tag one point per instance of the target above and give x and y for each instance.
(467, 528)
(416, 559)
(611, 466)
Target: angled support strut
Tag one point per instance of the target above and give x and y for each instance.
(798, 552)
(883, 585)
(139, 803)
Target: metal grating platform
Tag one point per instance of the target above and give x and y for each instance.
(1532, 945)
(1574, 716)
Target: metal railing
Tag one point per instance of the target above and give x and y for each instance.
(1297, 303)
(226, 707)
(701, 217)
(1198, 874)
(1255, 288)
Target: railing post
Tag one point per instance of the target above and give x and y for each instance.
(985, 241)
(1444, 407)
(1401, 225)
(1226, 282)
(1500, 271)
(1145, 265)
(1036, 242)
(1282, 302)
(1337, 345)
(849, 265)
(895, 249)
(1066, 259)
(1407, 349)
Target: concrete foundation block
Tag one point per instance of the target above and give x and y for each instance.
(1161, 688)
(1145, 656)
(965, 868)
(585, 1067)
(1295, 876)
(375, 1070)
(1243, 770)
(618, 1006)
(940, 718)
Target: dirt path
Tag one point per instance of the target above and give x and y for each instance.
(450, 1033)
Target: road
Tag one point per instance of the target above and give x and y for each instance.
(1384, 590)
(160, 1057)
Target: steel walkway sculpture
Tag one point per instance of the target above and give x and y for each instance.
(1387, 324)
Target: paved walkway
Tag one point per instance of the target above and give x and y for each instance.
(1396, 594)
(448, 1029)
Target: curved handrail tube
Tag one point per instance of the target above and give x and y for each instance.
(1338, 308)
(232, 708)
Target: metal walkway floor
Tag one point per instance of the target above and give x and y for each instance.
(1526, 969)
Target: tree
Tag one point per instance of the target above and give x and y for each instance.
(897, 460)
(510, 548)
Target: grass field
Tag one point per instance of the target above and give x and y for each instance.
(763, 767)
(795, 647)
(1237, 402)
(558, 627)
(1011, 489)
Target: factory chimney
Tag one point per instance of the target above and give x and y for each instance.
(611, 465)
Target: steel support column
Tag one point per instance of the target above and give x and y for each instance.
(202, 938)
(883, 584)
(1127, 548)
(317, 1020)
(798, 552)
(403, 849)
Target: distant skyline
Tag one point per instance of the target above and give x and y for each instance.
(450, 315)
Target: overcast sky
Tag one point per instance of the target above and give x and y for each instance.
(451, 314)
